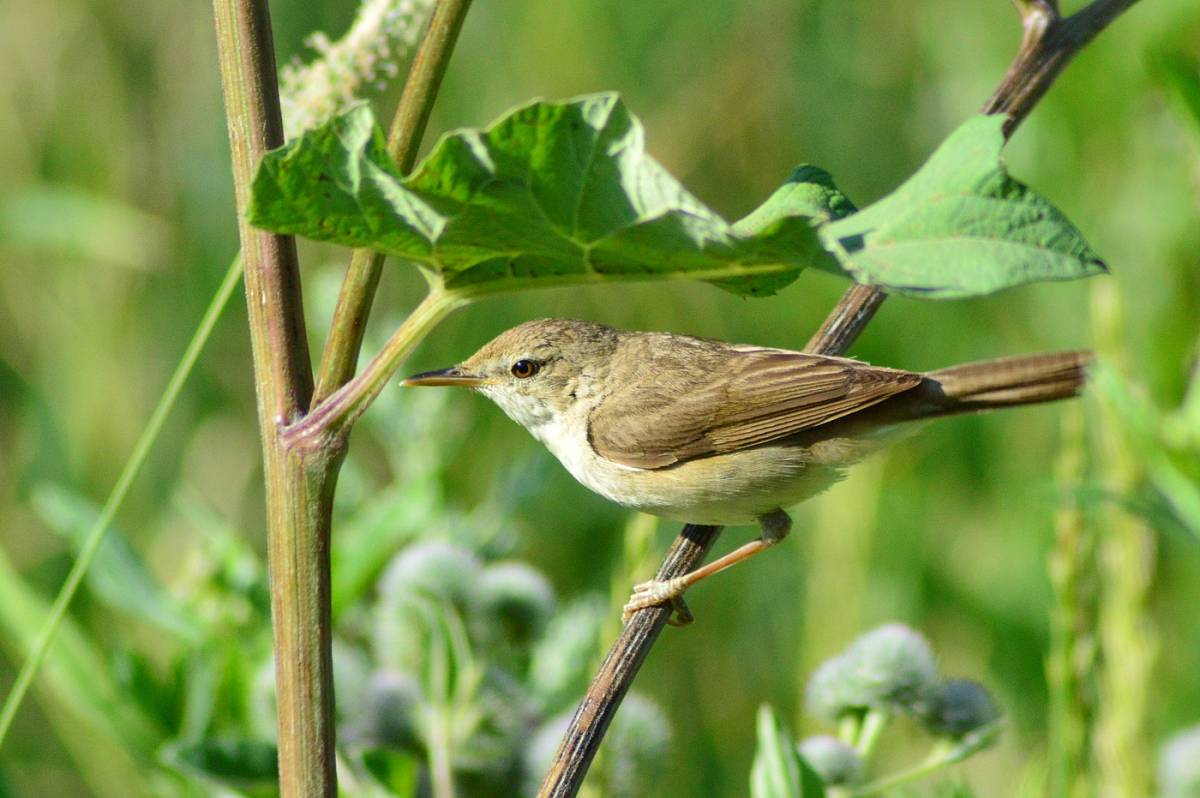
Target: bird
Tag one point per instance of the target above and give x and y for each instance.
(707, 432)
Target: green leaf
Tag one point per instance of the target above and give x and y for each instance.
(961, 227)
(108, 735)
(564, 193)
(809, 191)
(551, 194)
(778, 770)
(397, 771)
(119, 575)
(244, 764)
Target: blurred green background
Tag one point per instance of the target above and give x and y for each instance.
(116, 224)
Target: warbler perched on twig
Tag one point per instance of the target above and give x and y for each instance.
(707, 432)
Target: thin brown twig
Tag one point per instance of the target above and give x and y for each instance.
(1048, 44)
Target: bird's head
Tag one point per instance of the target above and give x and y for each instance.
(537, 370)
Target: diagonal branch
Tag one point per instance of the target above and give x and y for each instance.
(404, 137)
(1049, 43)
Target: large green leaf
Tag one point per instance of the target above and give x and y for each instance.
(961, 226)
(551, 193)
(119, 575)
(560, 193)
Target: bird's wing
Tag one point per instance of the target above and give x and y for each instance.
(744, 398)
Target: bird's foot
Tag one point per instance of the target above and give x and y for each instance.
(656, 592)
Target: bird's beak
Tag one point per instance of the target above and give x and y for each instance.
(451, 376)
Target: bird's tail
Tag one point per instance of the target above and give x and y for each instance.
(1004, 382)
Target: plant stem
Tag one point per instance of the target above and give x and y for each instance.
(299, 485)
(408, 126)
(440, 769)
(936, 760)
(611, 683)
(872, 727)
(1127, 557)
(133, 467)
(334, 416)
(942, 755)
(1073, 578)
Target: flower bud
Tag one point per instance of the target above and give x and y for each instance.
(390, 710)
(889, 668)
(427, 574)
(517, 598)
(432, 568)
(834, 761)
(561, 661)
(1179, 765)
(636, 748)
(539, 750)
(957, 707)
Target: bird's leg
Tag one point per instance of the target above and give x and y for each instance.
(775, 525)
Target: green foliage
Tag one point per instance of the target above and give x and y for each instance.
(99, 298)
(551, 193)
(560, 193)
(118, 576)
(1179, 73)
(247, 765)
(961, 226)
(779, 771)
(1167, 443)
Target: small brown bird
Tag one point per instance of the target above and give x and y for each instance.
(706, 432)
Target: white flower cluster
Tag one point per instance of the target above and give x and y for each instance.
(370, 54)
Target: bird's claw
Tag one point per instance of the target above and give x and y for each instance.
(655, 593)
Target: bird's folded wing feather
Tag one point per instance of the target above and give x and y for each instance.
(738, 399)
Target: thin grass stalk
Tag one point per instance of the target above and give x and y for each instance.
(116, 498)
(1127, 551)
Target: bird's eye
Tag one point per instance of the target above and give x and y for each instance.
(524, 369)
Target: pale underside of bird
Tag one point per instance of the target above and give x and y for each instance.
(706, 432)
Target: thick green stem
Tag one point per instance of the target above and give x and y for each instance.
(404, 138)
(299, 485)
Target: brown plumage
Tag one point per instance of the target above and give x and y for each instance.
(713, 433)
(718, 399)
